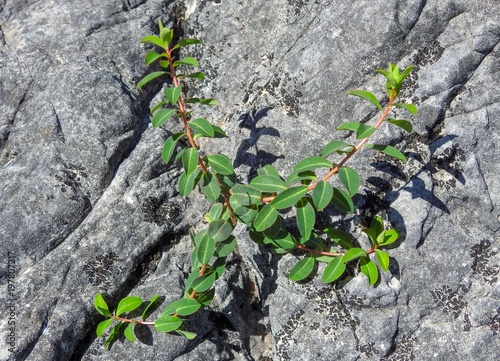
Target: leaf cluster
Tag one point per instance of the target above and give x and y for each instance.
(263, 204)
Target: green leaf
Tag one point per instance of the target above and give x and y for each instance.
(202, 126)
(377, 225)
(113, 335)
(102, 326)
(152, 56)
(219, 133)
(206, 249)
(405, 73)
(268, 169)
(206, 297)
(195, 75)
(289, 197)
(284, 240)
(389, 150)
(207, 101)
(220, 163)
(350, 179)
(307, 175)
(184, 307)
(128, 304)
(169, 146)
(187, 42)
(179, 154)
(245, 195)
(161, 116)
(226, 247)
(404, 124)
(410, 107)
(129, 332)
(265, 218)
(322, 195)
(190, 160)
(311, 163)
(275, 230)
(373, 237)
(387, 237)
(159, 105)
(215, 212)
(369, 269)
(150, 303)
(164, 64)
(362, 130)
(367, 96)
(391, 81)
(195, 272)
(187, 61)
(151, 39)
(246, 214)
(306, 217)
(187, 182)
(186, 334)
(333, 270)
(168, 323)
(268, 183)
(210, 187)
(342, 200)
(173, 93)
(302, 269)
(203, 283)
(219, 230)
(227, 181)
(336, 146)
(149, 77)
(352, 254)
(218, 267)
(166, 35)
(100, 305)
(383, 259)
(339, 237)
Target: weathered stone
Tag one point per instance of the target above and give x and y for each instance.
(87, 206)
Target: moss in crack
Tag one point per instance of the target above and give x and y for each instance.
(446, 169)
(160, 211)
(99, 269)
(481, 254)
(403, 350)
(450, 301)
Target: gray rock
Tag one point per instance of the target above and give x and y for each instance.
(87, 206)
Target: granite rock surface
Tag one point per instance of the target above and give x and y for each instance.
(87, 205)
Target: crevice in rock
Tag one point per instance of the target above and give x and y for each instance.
(2, 36)
(59, 130)
(28, 349)
(414, 22)
(146, 265)
(11, 121)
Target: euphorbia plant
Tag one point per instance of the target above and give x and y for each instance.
(261, 204)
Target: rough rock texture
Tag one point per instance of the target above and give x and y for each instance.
(87, 206)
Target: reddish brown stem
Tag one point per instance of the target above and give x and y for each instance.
(315, 251)
(192, 143)
(145, 323)
(351, 153)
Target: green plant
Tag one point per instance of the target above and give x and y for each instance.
(261, 203)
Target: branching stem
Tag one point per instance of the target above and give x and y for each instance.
(351, 153)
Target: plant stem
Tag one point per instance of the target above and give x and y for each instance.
(122, 319)
(316, 251)
(182, 109)
(352, 152)
(185, 121)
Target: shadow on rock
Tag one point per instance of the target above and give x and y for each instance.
(261, 157)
